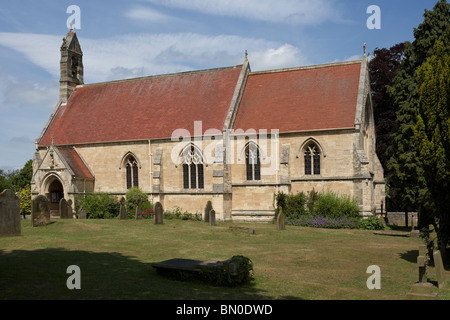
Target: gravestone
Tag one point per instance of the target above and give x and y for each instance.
(439, 267)
(281, 225)
(159, 212)
(40, 211)
(212, 217)
(69, 209)
(123, 210)
(82, 214)
(422, 263)
(422, 290)
(242, 229)
(63, 212)
(9, 214)
(433, 237)
(208, 209)
(138, 214)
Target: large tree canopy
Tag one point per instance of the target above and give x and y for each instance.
(432, 131)
(406, 174)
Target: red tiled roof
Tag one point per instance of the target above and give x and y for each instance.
(145, 108)
(300, 99)
(75, 163)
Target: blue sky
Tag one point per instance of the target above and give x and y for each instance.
(126, 39)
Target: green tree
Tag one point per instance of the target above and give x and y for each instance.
(406, 175)
(4, 181)
(383, 68)
(22, 178)
(16, 180)
(432, 132)
(25, 200)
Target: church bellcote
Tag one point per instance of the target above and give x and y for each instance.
(71, 66)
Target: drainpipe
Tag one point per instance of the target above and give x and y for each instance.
(151, 168)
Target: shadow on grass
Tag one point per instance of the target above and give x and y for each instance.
(410, 256)
(42, 274)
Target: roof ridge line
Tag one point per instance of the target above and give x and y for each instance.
(159, 76)
(317, 66)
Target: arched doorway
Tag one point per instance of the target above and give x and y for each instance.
(54, 192)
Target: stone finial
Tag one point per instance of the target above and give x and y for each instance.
(365, 48)
(246, 55)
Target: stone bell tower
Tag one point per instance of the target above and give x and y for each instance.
(71, 65)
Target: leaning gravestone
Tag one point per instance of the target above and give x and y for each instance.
(138, 214)
(422, 263)
(208, 209)
(82, 213)
(159, 212)
(9, 214)
(212, 217)
(281, 221)
(40, 211)
(123, 210)
(63, 212)
(439, 267)
(69, 209)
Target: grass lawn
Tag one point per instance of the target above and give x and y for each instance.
(115, 259)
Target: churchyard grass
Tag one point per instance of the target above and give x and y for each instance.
(115, 259)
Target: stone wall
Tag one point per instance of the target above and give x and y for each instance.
(226, 185)
(399, 219)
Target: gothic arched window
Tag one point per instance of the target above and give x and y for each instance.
(132, 173)
(252, 162)
(193, 177)
(312, 159)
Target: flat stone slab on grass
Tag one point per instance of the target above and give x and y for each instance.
(393, 233)
(242, 229)
(187, 264)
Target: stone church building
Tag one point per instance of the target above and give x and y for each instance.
(228, 135)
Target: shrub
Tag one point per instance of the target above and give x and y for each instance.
(333, 205)
(132, 195)
(293, 205)
(222, 277)
(147, 213)
(324, 222)
(320, 210)
(25, 200)
(178, 214)
(313, 195)
(101, 206)
(370, 223)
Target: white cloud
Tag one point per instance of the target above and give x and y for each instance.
(296, 12)
(23, 95)
(41, 49)
(282, 57)
(135, 55)
(144, 14)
